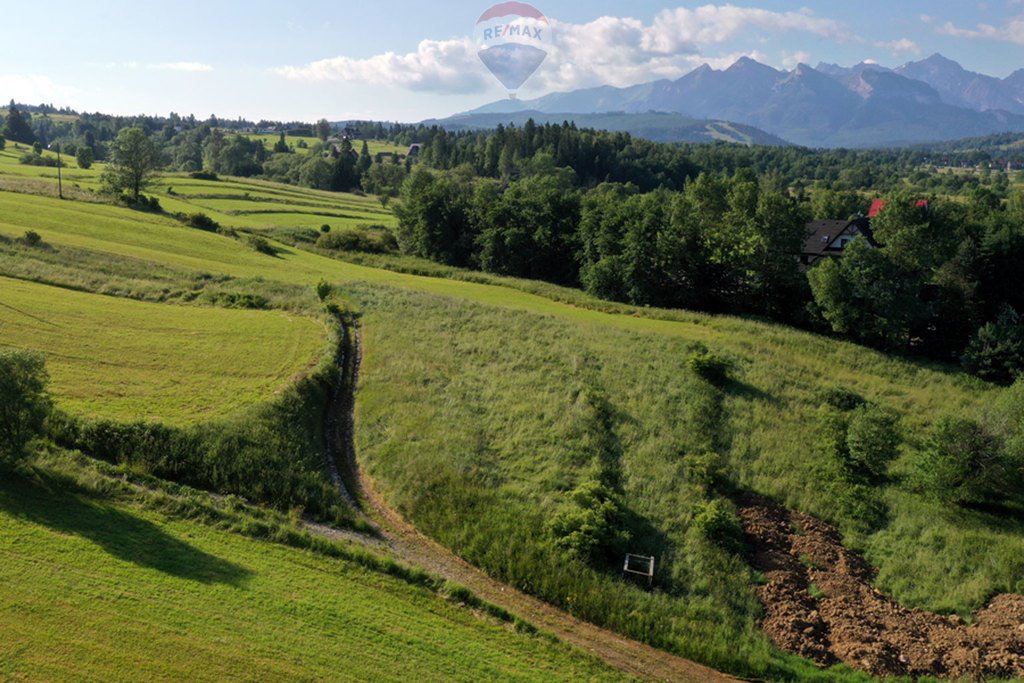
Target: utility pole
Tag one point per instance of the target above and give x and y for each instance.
(60, 180)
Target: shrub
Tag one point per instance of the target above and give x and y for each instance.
(961, 463)
(590, 527)
(704, 470)
(36, 159)
(201, 221)
(710, 367)
(373, 240)
(872, 441)
(325, 228)
(996, 352)
(203, 175)
(31, 238)
(323, 290)
(717, 522)
(842, 399)
(84, 157)
(142, 203)
(24, 402)
(261, 245)
(237, 300)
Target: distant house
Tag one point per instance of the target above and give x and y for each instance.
(828, 239)
(388, 157)
(414, 151)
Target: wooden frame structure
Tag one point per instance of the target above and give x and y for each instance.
(638, 568)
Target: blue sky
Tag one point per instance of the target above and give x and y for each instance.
(412, 60)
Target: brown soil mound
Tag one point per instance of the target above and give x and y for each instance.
(852, 622)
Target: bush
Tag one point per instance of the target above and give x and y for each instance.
(203, 175)
(84, 157)
(36, 159)
(961, 463)
(704, 470)
(842, 399)
(261, 245)
(201, 221)
(24, 402)
(323, 290)
(143, 203)
(872, 441)
(996, 352)
(373, 240)
(717, 522)
(591, 527)
(31, 238)
(325, 228)
(237, 300)
(710, 367)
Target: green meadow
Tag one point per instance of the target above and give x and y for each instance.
(100, 582)
(128, 360)
(487, 404)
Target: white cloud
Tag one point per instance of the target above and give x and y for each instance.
(188, 67)
(899, 46)
(679, 29)
(36, 89)
(792, 59)
(445, 66)
(1012, 31)
(609, 50)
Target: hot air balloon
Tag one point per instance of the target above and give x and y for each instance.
(513, 39)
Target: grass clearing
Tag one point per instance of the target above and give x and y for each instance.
(117, 359)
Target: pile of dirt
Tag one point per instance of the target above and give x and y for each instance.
(819, 603)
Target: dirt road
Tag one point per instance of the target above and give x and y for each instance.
(408, 544)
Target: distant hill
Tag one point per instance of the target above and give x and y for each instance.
(655, 126)
(830, 106)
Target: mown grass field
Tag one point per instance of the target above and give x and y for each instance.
(126, 360)
(245, 203)
(473, 406)
(375, 146)
(94, 589)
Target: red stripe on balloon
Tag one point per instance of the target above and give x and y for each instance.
(509, 8)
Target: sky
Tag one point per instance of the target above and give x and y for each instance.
(408, 61)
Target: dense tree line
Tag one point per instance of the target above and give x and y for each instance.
(940, 283)
(724, 243)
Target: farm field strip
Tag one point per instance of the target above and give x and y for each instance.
(106, 591)
(128, 360)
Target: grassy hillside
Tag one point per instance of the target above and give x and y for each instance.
(233, 202)
(485, 405)
(126, 360)
(100, 584)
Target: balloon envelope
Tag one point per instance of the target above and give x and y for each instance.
(513, 64)
(513, 40)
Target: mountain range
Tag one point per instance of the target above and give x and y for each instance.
(866, 105)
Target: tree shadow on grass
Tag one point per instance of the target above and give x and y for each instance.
(52, 503)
